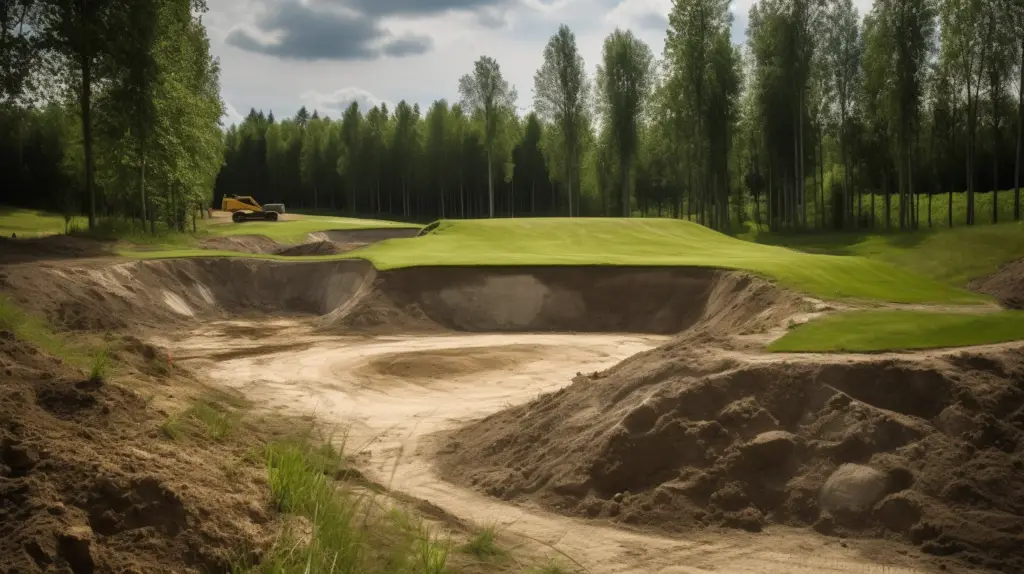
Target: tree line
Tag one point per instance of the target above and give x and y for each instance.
(109, 108)
(820, 115)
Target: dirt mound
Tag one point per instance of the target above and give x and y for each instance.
(1006, 285)
(88, 485)
(242, 243)
(315, 248)
(927, 449)
(161, 293)
(363, 236)
(50, 248)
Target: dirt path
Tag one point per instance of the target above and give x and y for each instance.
(396, 392)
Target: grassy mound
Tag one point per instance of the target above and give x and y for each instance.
(868, 331)
(655, 242)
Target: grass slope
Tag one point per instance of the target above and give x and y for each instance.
(655, 242)
(32, 223)
(949, 255)
(868, 331)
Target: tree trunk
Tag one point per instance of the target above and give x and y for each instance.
(1020, 132)
(625, 188)
(142, 176)
(490, 184)
(888, 200)
(85, 61)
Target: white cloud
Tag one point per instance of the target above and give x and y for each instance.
(640, 14)
(334, 103)
(231, 115)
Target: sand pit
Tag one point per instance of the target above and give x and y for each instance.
(351, 294)
(694, 430)
(446, 364)
(927, 448)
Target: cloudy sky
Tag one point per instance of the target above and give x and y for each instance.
(281, 54)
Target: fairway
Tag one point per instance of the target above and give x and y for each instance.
(871, 331)
(296, 230)
(32, 223)
(655, 242)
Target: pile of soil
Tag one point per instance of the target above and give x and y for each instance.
(926, 448)
(316, 248)
(1006, 285)
(87, 484)
(243, 244)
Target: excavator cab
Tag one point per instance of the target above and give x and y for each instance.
(246, 208)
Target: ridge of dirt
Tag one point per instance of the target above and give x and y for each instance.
(88, 485)
(243, 244)
(1006, 285)
(924, 448)
(351, 294)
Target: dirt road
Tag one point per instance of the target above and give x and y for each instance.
(397, 393)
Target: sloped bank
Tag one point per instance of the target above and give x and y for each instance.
(351, 294)
(928, 448)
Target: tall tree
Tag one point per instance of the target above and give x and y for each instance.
(625, 78)
(842, 55)
(561, 96)
(487, 93)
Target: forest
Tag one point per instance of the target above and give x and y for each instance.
(824, 118)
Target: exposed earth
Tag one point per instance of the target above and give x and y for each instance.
(625, 417)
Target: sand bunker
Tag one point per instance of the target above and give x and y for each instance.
(351, 294)
(928, 449)
(446, 364)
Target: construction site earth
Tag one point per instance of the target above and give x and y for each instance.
(626, 417)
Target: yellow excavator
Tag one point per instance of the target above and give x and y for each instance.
(246, 208)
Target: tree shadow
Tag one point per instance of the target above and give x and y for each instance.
(51, 248)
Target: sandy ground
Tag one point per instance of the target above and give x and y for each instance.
(396, 394)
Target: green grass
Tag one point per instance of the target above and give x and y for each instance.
(205, 418)
(484, 543)
(342, 530)
(655, 242)
(295, 231)
(32, 223)
(952, 256)
(872, 331)
(80, 352)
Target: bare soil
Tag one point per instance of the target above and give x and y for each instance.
(684, 445)
(1006, 285)
(926, 447)
(87, 483)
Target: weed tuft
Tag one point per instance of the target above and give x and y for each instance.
(99, 366)
(484, 543)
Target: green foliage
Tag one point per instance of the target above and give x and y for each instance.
(483, 544)
(99, 366)
(205, 418)
(869, 331)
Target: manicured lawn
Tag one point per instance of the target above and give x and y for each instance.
(294, 231)
(867, 331)
(31, 223)
(655, 242)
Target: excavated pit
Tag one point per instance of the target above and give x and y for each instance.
(699, 432)
(351, 294)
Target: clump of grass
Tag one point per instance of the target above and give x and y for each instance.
(202, 418)
(484, 543)
(432, 553)
(99, 366)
